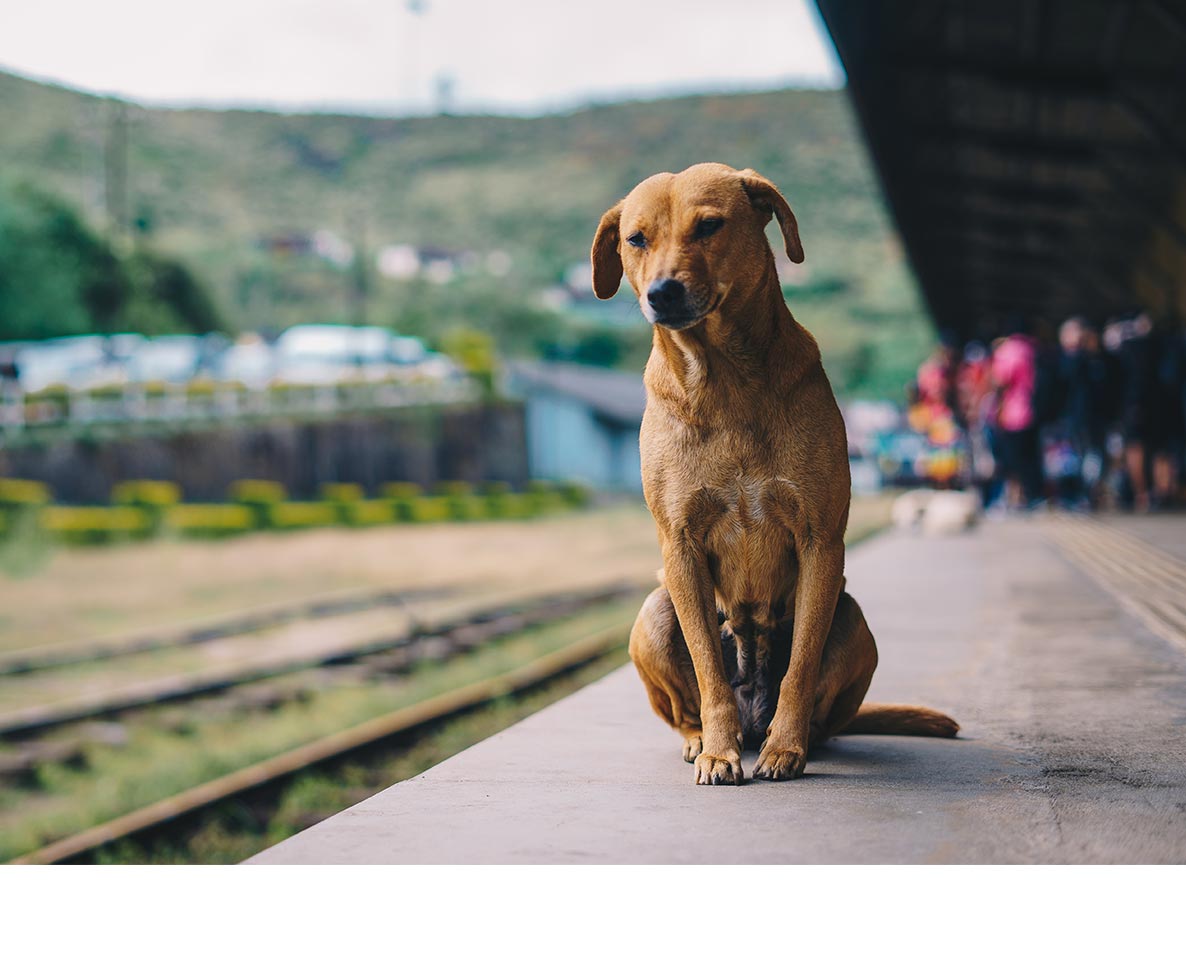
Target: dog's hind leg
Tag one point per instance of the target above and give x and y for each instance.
(661, 657)
(846, 670)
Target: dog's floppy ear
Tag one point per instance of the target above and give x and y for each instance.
(765, 197)
(607, 260)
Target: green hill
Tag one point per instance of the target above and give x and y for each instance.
(207, 186)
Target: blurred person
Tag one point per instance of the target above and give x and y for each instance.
(976, 403)
(916, 411)
(1048, 392)
(1083, 377)
(933, 413)
(1169, 424)
(1181, 398)
(1015, 375)
(1131, 340)
(937, 377)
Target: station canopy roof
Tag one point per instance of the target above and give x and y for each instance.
(1033, 152)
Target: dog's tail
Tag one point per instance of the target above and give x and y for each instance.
(901, 719)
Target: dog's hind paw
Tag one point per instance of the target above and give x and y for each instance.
(711, 770)
(780, 764)
(692, 748)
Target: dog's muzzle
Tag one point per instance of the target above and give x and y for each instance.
(667, 305)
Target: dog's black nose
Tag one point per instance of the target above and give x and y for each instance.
(666, 296)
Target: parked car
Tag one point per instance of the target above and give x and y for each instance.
(250, 362)
(175, 359)
(333, 354)
(72, 362)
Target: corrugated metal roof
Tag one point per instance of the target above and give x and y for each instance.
(612, 395)
(1033, 152)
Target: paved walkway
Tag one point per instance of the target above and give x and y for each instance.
(1072, 749)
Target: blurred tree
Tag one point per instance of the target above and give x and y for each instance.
(166, 297)
(58, 278)
(474, 351)
(602, 347)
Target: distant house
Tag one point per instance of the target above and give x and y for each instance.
(404, 261)
(582, 422)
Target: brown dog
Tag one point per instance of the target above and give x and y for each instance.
(751, 638)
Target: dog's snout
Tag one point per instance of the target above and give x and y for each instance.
(667, 296)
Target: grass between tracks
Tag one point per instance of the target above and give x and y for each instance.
(234, 831)
(177, 746)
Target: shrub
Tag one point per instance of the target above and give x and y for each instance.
(261, 497)
(430, 508)
(342, 492)
(248, 490)
(497, 495)
(18, 492)
(343, 496)
(302, 515)
(574, 494)
(152, 496)
(403, 496)
(544, 497)
(48, 406)
(519, 506)
(200, 387)
(20, 502)
(462, 504)
(210, 521)
(146, 492)
(94, 525)
(375, 511)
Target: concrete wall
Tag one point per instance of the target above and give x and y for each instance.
(479, 442)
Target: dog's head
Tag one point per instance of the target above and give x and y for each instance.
(687, 241)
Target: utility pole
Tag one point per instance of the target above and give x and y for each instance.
(93, 128)
(417, 9)
(360, 270)
(115, 170)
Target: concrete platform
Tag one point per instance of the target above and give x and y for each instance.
(1073, 747)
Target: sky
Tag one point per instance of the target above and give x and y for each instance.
(512, 56)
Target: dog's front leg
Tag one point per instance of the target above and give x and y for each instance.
(689, 583)
(821, 577)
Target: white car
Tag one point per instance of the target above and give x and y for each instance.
(333, 354)
(250, 363)
(73, 362)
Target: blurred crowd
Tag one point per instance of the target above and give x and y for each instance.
(1087, 417)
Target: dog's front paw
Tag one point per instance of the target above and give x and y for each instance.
(692, 748)
(714, 770)
(779, 763)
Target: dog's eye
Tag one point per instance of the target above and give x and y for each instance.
(638, 241)
(706, 227)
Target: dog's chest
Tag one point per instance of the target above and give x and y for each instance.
(749, 543)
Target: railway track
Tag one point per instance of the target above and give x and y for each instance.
(48, 657)
(342, 745)
(435, 643)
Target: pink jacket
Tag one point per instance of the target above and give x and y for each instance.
(1015, 372)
